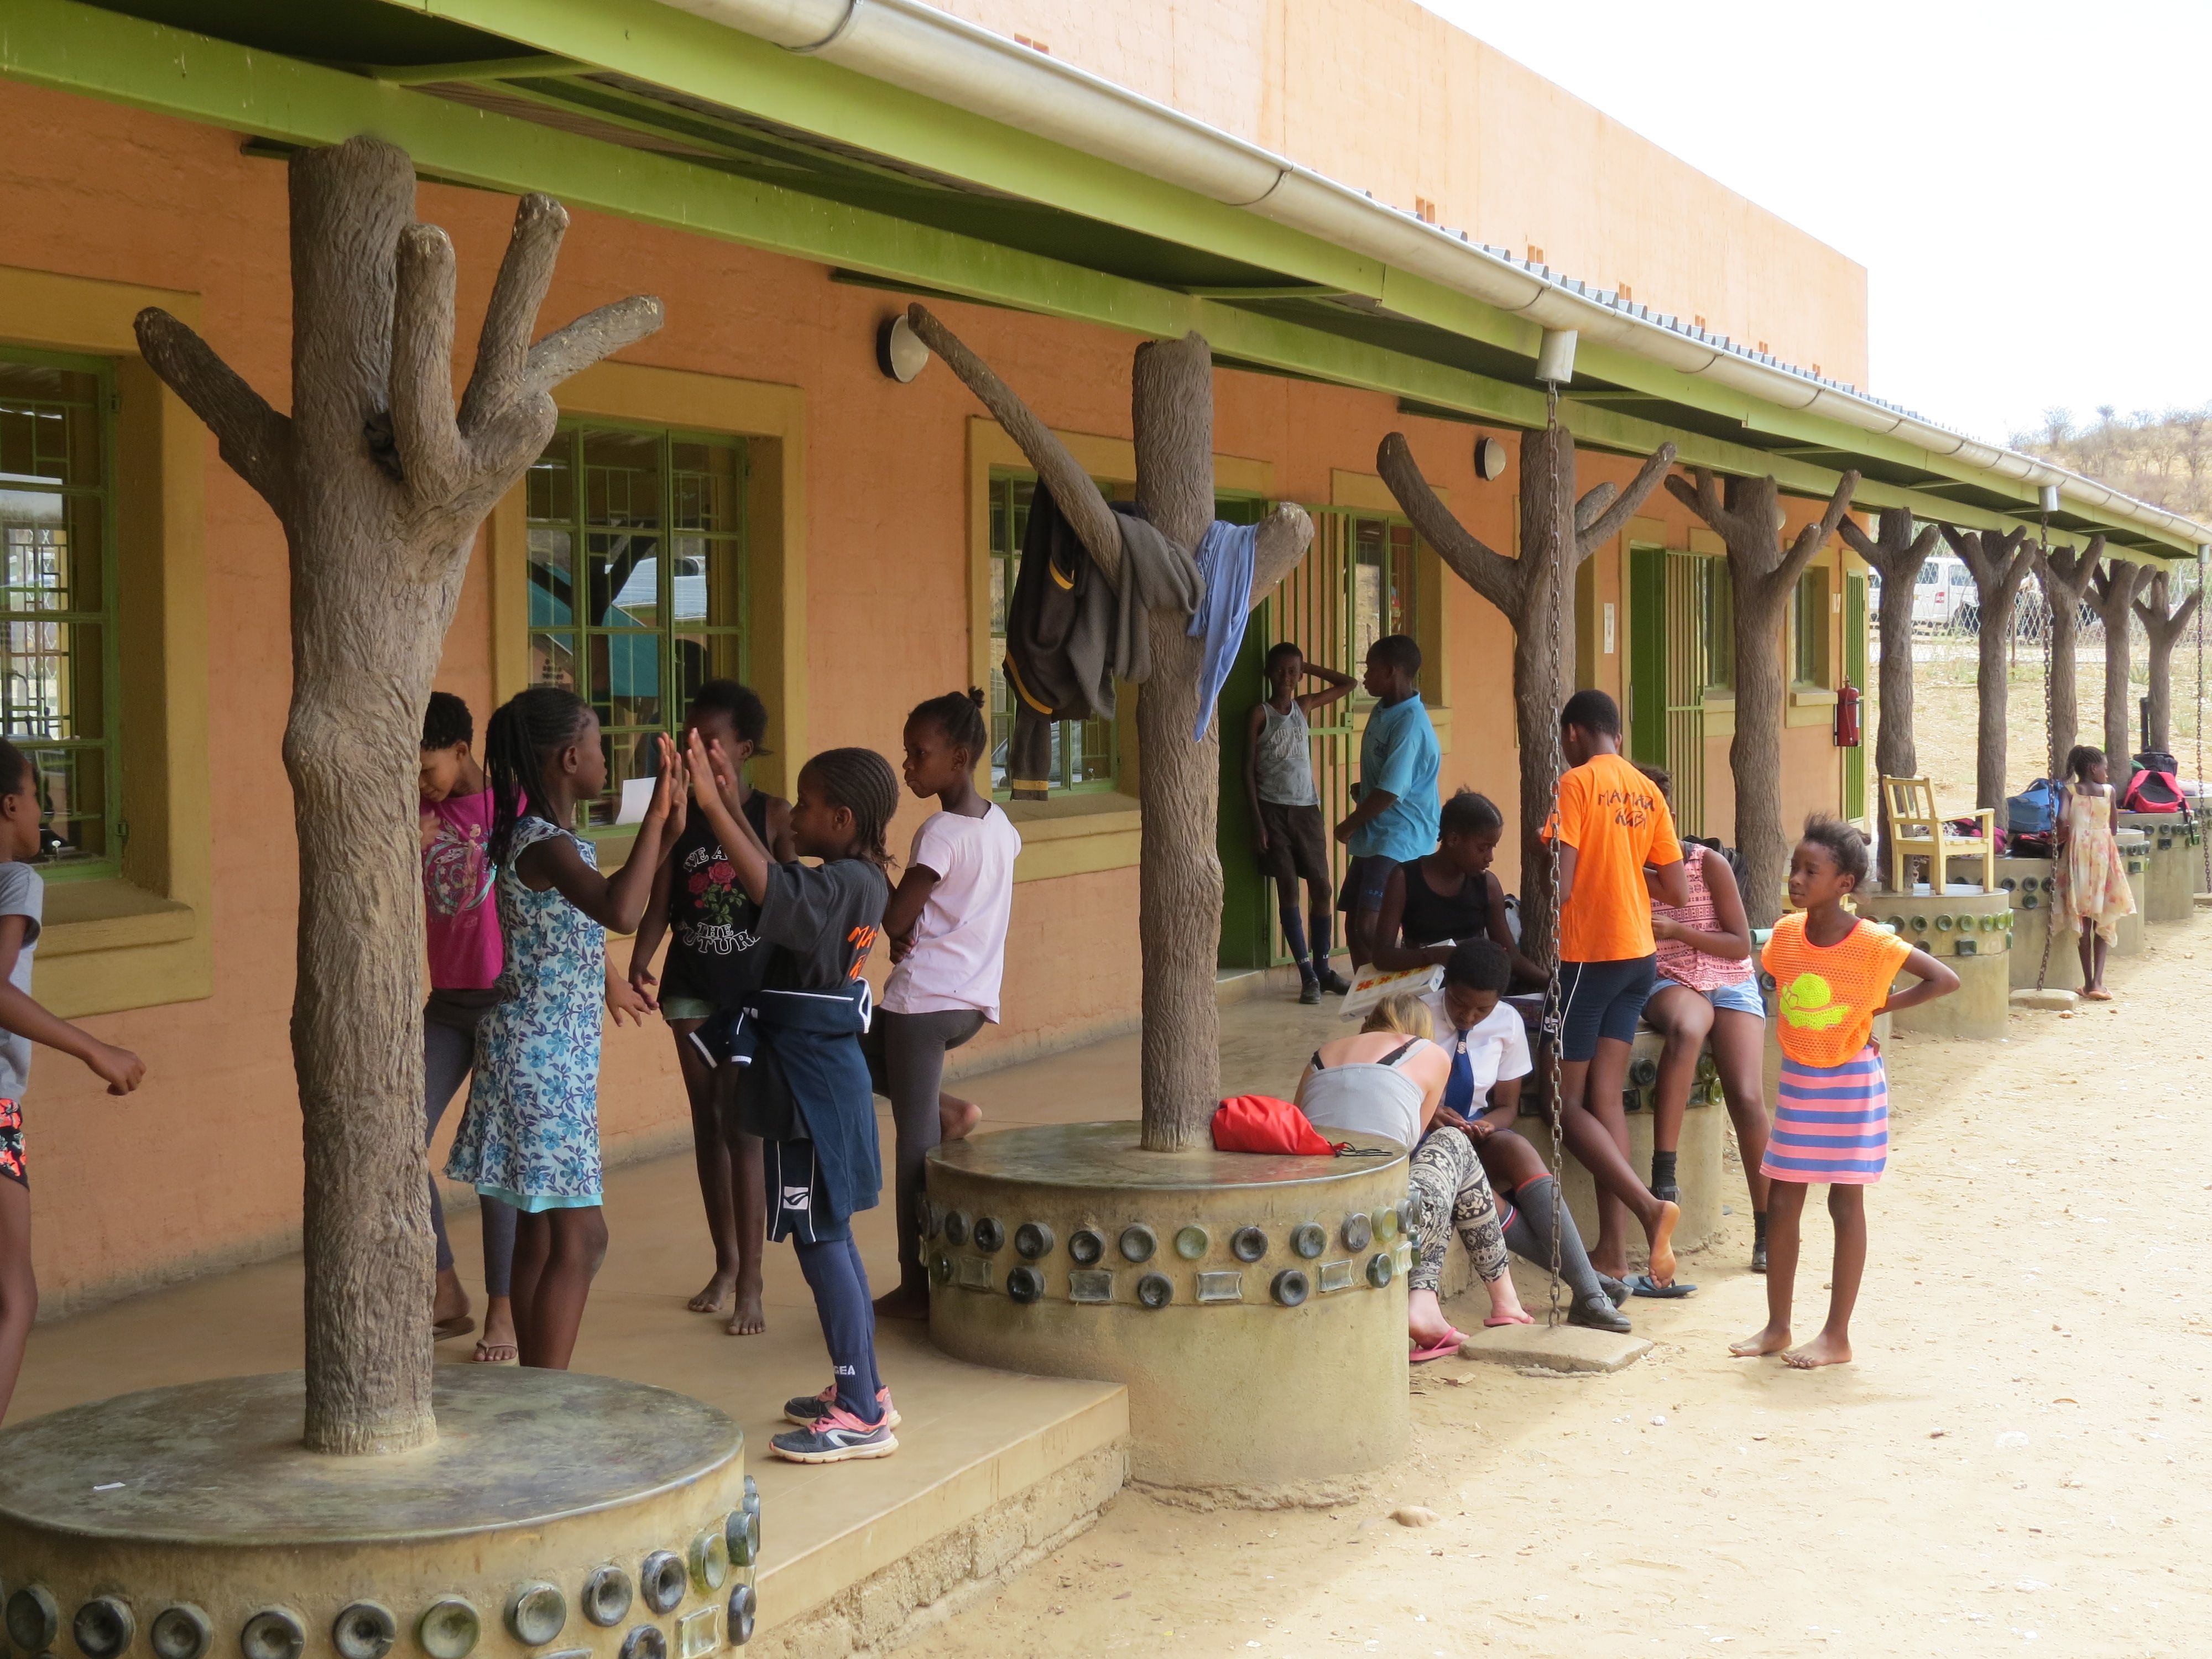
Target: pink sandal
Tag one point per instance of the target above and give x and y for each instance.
(1449, 1344)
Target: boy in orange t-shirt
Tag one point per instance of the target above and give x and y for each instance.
(1617, 851)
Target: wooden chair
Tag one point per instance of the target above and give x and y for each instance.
(1915, 830)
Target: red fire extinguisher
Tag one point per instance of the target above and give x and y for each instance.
(1847, 716)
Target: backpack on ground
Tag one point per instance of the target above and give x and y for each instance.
(2034, 810)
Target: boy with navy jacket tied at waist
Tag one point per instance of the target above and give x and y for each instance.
(1287, 821)
(1396, 817)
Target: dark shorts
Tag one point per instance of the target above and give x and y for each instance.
(1297, 843)
(11, 1144)
(1602, 1000)
(1364, 882)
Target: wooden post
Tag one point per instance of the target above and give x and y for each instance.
(1896, 550)
(2111, 596)
(1179, 870)
(2163, 628)
(1535, 593)
(1747, 515)
(379, 489)
(2063, 574)
(2000, 563)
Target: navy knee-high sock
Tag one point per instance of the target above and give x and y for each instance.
(1294, 932)
(839, 1285)
(1323, 921)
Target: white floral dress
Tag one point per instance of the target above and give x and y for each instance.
(531, 1135)
(2092, 878)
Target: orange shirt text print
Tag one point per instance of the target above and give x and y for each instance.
(1617, 823)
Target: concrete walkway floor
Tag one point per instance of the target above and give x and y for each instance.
(970, 1438)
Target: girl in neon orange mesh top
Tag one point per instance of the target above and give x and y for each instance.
(1832, 974)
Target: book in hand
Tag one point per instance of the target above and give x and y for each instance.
(1371, 984)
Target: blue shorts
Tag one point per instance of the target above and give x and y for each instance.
(1739, 997)
(1365, 878)
(1602, 1000)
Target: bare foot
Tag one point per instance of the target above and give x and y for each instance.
(1515, 1315)
(908, 1302)
(1822, 1350)
(716, 1293)
(1424, 1320)
(2097, 994)
(1773, 1339)
(449, 1305)
(1662, 1243)
(747, 1318)
(956, 1118)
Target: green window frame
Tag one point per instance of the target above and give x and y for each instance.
(1085, 757)
(652, 521)
(1809, 628)
(1717, 603)
(59, 670)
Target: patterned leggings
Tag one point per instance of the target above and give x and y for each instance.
(1455, 1196)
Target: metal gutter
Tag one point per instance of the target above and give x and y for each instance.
(910, 43)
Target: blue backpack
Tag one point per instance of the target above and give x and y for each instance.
(2034, 810)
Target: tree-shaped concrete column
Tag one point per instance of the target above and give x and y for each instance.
(1747, 515)
(2164, 624)
(1179, 781)
(2112, 595)
(1896, 550)
(2064, 573)
(1536, 594)
(2000, 563)
(380, 488)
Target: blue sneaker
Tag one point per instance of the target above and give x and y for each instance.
(840, 1436)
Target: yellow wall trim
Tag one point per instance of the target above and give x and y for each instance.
(142, 937)
(773, 417)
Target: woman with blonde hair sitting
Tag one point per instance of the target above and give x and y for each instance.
(1387, 1080)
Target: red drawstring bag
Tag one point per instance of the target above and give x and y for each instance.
(1260, 1123)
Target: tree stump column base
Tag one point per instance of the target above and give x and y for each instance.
(555, 1514)
(1255, 1307)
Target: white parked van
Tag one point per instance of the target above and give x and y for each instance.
(1945, 595)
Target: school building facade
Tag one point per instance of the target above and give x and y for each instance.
(749, 492)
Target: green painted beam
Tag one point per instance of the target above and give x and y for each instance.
(79, 48)
(503, 68)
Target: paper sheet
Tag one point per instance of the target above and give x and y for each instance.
(637, 795)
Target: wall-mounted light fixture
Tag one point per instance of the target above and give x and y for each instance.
(1489, 459)
(899, 350)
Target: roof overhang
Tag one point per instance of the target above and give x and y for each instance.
(1075, 198)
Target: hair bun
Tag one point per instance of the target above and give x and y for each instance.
(976, 695)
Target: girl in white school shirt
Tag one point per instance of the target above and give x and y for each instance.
(947, 925)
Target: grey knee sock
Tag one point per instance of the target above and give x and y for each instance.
(1530, 1237)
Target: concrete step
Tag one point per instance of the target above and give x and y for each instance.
(1559, 1348)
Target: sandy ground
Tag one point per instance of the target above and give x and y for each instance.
(2013, 1463)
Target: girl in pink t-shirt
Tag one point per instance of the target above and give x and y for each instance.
(460, 926)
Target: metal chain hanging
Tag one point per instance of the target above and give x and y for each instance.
(2057, 761)
(1553, 993)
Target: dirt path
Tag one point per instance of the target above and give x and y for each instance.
(2015, 1464)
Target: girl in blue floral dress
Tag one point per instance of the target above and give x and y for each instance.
(530, 1136)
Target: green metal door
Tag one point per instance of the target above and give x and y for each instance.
(1854, 671)
(1647, 655)
(1690, 577)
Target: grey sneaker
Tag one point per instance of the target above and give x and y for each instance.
(839, 1437)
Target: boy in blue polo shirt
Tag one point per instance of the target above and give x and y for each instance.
(1396, 817)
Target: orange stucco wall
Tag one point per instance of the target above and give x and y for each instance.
(1388, 97)
(202, 1165)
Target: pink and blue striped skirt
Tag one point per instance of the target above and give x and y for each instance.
(1830, 1123)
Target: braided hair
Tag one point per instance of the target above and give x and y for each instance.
(959, 716)
(523, 733)
(862, 782)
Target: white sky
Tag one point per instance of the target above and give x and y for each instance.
(2024, 182)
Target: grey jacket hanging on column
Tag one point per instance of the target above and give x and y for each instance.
(1070, 633)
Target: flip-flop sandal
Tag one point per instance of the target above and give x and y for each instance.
(496, 1353)
(1449, 1344)
(445, 1329)
(1643, 1285)
(1493, 1322)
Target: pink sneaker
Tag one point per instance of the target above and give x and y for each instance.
(809, 1409)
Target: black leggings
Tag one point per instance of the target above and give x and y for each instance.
(906, 1062)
